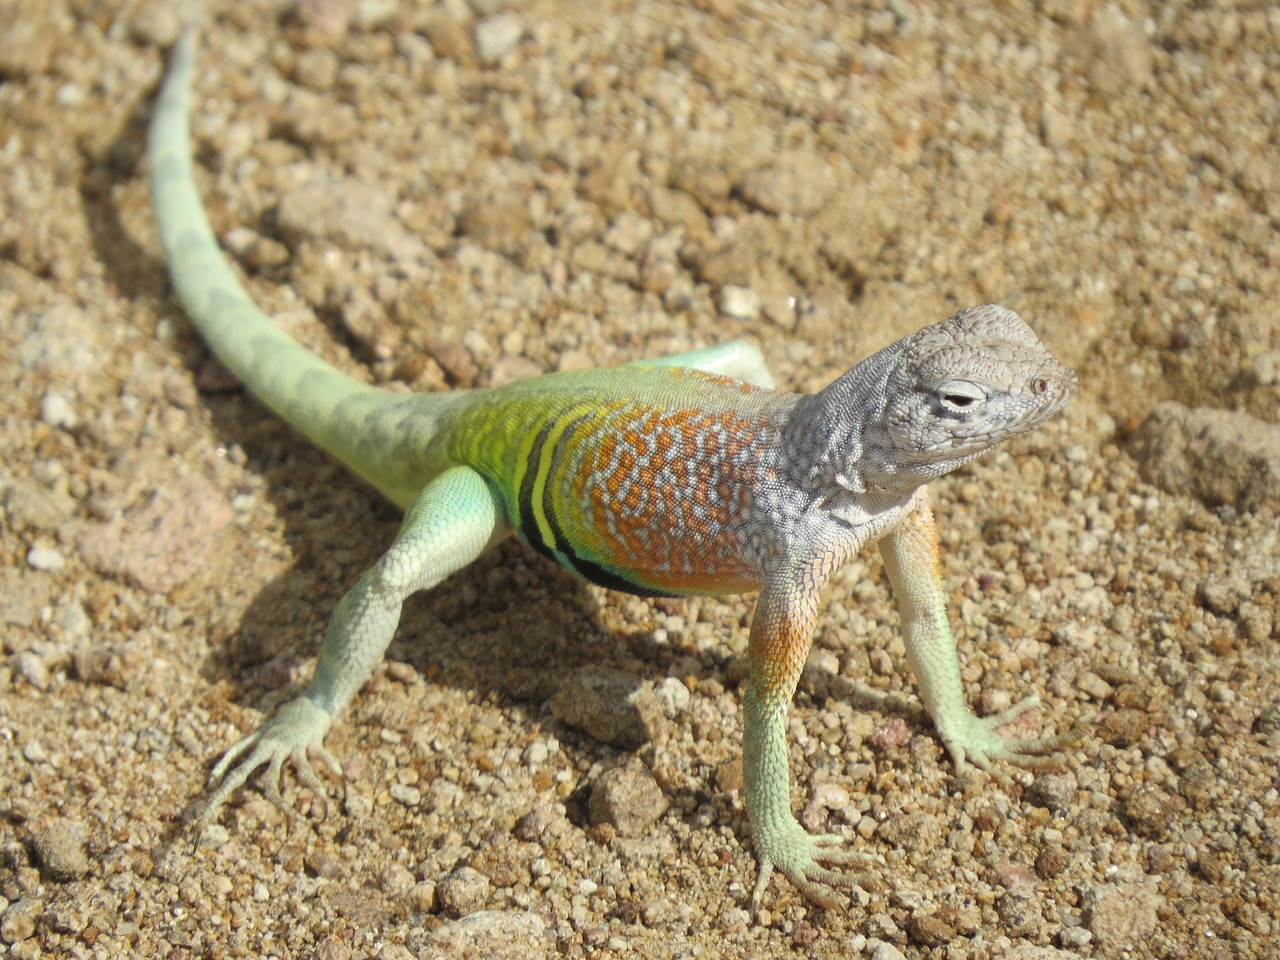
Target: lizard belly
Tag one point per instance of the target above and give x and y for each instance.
(647, 560)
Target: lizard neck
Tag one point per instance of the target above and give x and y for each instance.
(835, 439)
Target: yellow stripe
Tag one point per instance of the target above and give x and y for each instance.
(565, 419)
(520, 465)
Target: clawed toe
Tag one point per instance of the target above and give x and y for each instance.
(812, 864)
(977, 740)
(307, 774)
(296, 731)
(832, 848)
(817, 886)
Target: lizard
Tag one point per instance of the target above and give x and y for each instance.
(679, 476)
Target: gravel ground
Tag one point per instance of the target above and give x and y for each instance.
(446, 195)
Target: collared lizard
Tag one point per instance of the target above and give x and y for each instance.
(687, 475)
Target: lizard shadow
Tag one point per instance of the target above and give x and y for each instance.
(127, 263)
(505, 632)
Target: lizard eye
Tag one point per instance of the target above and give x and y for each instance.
(957, 395)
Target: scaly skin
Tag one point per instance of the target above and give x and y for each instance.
(681, 476)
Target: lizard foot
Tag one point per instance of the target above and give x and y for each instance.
(806, 860)
(297, 730)
(977, 740)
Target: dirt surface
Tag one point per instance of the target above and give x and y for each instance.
(452, 195)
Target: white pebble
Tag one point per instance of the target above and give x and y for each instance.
(498, 36)
(536, 754)
(1266, 368)
(56, 411)
(405, 794)
(45, 558)
(741, 303)
(673, 696)
(213, 836)
(33, 668)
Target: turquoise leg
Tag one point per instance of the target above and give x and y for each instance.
(453, 521)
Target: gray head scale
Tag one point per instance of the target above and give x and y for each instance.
(930, 402)
(967, 384)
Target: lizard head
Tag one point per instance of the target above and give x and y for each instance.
(971, 382)
(930, 402)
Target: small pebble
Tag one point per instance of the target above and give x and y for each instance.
(57, 411)
(740, 303)
(497, 36)
(45, 558)
(59, 849)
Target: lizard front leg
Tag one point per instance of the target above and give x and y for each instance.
(780, 636)
(911, 560)
(453, 521)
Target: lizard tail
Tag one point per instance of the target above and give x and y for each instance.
(295, 383)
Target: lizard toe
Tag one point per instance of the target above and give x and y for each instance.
(295, 731)
(807, 860)
(978, 740)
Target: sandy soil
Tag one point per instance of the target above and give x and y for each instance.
(451, 195)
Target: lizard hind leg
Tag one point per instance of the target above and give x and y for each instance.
(455, 519)
(737, 359)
